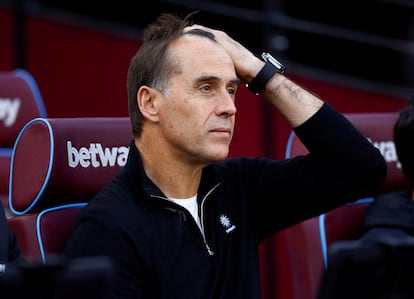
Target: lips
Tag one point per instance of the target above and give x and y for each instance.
(221, 132)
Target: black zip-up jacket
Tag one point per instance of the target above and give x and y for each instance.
(158, 247)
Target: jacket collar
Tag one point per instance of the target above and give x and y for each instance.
(135, 176)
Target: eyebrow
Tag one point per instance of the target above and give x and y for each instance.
(235, 81)
(201, 32)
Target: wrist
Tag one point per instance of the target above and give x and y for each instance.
(270, 68)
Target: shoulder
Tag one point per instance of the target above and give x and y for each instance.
(391, 210)
(393, 200)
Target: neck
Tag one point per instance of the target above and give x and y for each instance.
(173, 176)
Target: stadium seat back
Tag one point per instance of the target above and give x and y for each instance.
(20, 101)
(57, 166)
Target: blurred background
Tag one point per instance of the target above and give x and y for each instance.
(357, 55)
(369, 40)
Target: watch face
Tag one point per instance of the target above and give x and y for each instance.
(269, 58)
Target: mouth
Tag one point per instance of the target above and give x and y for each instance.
(225, 132)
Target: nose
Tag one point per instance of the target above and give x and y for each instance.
(226, 104)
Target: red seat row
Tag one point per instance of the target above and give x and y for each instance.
(53, 166)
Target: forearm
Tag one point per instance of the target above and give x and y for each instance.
(295, 103)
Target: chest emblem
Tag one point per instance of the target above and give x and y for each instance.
(225, 221)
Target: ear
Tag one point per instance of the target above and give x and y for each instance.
(147, 99)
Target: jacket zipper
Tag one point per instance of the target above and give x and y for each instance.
(210, 252)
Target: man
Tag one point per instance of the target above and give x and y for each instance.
(391, 215)
(181, 221)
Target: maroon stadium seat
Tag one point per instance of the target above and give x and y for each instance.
(58, 164)
(20, 101)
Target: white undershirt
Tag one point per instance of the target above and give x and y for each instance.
(191, 205)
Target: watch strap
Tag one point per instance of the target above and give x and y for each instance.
(258, 83)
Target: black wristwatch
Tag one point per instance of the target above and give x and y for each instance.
(271, 67)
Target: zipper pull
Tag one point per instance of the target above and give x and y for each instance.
(210, 252)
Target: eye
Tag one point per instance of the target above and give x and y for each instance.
(232, 90)
(205, 87)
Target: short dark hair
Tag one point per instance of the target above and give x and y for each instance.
(404, 140)
(151, 65)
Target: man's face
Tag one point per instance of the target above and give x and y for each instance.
(198, 114)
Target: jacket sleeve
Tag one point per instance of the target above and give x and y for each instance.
(342, 158)
(342, 166)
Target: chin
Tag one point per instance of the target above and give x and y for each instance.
(215, 153)
(220, 156)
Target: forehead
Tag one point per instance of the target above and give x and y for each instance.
(193, 51)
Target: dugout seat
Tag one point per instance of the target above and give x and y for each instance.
(300, 252)
(57, 165)
(20, 101)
